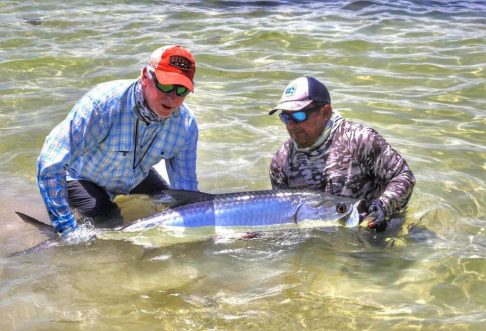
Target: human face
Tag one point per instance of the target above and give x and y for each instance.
(305, 133)
(160, 102)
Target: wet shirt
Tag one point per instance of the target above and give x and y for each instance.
(354, 161)
(104, 142)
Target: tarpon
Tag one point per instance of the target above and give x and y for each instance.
(253, 209)
(253, 212)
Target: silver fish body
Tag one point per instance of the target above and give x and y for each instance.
(256, 209)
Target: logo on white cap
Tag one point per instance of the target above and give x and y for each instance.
(289, 91)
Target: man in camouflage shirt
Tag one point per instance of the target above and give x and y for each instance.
(329, 153)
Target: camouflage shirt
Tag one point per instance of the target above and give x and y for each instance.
(354, 161)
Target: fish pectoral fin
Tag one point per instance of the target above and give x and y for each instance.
(184, 197)
(37, 248)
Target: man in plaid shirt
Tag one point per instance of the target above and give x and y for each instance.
(115, 134)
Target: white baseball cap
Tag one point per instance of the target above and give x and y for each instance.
(300, 93)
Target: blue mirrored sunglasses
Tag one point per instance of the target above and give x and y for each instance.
(298, 116)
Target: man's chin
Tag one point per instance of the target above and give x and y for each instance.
(164, 114)
(299, 141)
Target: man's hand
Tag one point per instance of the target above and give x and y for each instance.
(376, 216)
(78, 235)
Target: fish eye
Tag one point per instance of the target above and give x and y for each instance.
(341, 208)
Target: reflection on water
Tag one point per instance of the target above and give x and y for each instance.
(414, 70)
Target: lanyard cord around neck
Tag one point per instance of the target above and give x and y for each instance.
(135, 140)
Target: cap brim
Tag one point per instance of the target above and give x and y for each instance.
(174, 78)
(291, 106)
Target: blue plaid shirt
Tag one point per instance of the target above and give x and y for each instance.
(96, 142)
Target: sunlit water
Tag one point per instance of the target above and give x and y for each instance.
(413, 70)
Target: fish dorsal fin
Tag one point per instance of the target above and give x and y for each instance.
(44, 228)
(31, 220)
(183, 197)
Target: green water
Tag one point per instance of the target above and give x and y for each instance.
(413, 70)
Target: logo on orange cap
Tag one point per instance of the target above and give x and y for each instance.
(180, 62)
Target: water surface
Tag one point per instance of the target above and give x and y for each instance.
(413, 70)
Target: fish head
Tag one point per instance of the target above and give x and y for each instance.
(327, 208)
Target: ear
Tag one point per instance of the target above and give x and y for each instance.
(326, 111)
(144, 76)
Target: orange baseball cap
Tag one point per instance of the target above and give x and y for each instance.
(174, 65)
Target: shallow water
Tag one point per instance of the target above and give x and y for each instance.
(413, 70)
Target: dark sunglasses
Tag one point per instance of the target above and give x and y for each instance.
(298, 116)
(180, 90)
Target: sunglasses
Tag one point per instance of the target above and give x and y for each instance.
(180, 90)
(298, 116)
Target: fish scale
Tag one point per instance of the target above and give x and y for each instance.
(252, 209)
(255, 209)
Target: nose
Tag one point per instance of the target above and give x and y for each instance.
(291, 123)
(171, 96)
(173, 93)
